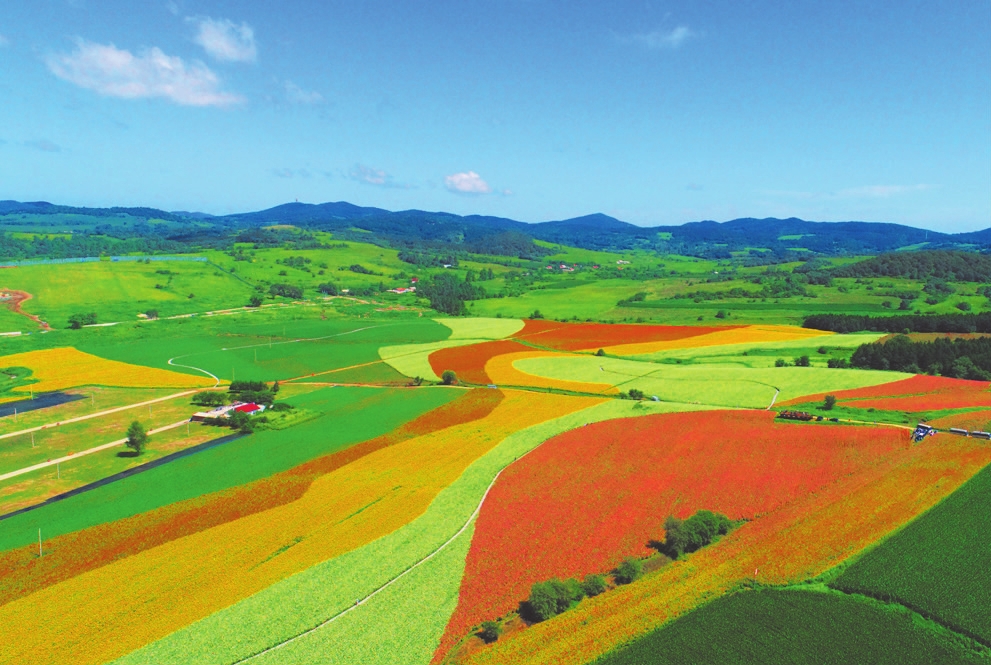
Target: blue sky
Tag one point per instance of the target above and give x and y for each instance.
(653, 112)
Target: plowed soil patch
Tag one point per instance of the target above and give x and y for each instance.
(468, 362)
(581, 336)
(918, 393)
(588, 498)
(66, 556)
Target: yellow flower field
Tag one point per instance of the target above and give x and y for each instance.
(502, 372)
(743, 335)
(113, 610)
(66, 367)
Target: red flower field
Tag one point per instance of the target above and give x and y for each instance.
(468, 362)
(587, 498)
(582, 336)
(918, 393)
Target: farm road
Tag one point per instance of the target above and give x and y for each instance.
(95, 415)
(72, 456)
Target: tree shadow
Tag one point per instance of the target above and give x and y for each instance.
(127, 453)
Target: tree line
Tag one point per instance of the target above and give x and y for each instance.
(902, 323)
(956, 358)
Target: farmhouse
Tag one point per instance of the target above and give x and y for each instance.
(225, 411)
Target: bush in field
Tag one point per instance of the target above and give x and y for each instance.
(694, 533)
(449, 378)
(780, 362)
(593, 585)
(802, 361)
(490, 632)
(550, 598)
(629, 571)
(829, 402)
(77, 321)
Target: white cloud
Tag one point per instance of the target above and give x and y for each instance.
(172, 7)
(296, 95)
(225, 40)
(377, 177)
(4, 41)
(468, 182)
(119, 73)
(665, 39)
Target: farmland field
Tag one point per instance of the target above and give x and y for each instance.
(370, 511)
(934, 564)
(793, 627)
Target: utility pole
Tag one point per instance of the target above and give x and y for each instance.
(15, 414)
(58, 470)
(32, 439)
(39, 542)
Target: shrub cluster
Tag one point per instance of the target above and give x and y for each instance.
(550, 598)
(694, 533)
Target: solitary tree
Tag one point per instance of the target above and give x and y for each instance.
(137, 437)
(829, 402)
(449, 378)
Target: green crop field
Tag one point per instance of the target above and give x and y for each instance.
(938, 563)
(349, 415)
(797, 627)
(723, 385)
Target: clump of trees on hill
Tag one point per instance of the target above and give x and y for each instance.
(286, 291)
(77, 321)
(448, 294)
(923, 323)
(940, 264)
(956, 358)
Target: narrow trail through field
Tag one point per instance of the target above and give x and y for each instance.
(72, 456)
(99, 414)
(18, 298)
(358, 603)
(773, 399)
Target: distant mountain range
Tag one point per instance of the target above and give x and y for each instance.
(597, 231)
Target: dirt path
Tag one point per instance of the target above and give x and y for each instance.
(14, 299)
(96, 415)
(96, 449)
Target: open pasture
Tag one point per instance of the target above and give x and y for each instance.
(590, 497)
(119, 291)
(771, 626)
(937, 565)
(67, 367)
(720, 385)
(91, 400)
(258, 349)
(798, 541)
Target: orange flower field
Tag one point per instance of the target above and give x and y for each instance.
(918, 393)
